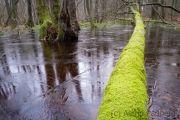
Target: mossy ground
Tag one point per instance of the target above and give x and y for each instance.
(107, 23)
(125, 95)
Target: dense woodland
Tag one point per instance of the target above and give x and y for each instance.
(59, 19)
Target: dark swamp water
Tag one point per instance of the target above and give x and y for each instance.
(41, 80)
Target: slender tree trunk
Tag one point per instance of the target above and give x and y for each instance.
(8, 11)
(96, 17)
(88, 8)
(176, 5)
(30, 22)
(14, 8)
(91, 7)
(103, 3)
(12, 12)
(163, 9)
(153, 12)
(85, 10)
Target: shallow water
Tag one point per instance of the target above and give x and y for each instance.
(163, 72)
(66, 81)
(49, 81)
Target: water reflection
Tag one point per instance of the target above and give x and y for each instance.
(7, 90)
(162, 63)
(46, 80)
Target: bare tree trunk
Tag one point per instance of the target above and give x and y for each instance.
(30, 22)
(91, 16)
(88, 8)
(2, 12)
(176, 6)
(90, 5)
(85, 10)
(8, 11)
(172, 6)
(72, 13)
(69, 24)
(12, 14)
(103, 3)
(163, 9)
(35, 16)
(14, 8)
(153, 12)
(96, 17)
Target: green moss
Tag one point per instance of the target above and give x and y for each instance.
(46, 21)
(43, 28)
(107, 23)
(125, 21)
(36, 27)
(125, 95)
(44, 17)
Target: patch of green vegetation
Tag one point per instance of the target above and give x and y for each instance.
(43, 28)
(152, 22)
(36, 27)
(84, 24)
(177, 28)
(125, 21)
(125, 95)
(158, 22)
(44, 17)
(107, 23)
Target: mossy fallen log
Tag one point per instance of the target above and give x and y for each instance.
(125, 95)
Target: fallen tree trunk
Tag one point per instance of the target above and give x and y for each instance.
(125, 95)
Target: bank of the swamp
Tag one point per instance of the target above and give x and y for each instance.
(125, 95)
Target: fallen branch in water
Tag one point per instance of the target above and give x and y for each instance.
(2, 55)
(150, 101)
(156, 62)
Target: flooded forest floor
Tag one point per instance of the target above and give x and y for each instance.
(66, 81)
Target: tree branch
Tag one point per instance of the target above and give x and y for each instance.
(166, 6)
(159, 14)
